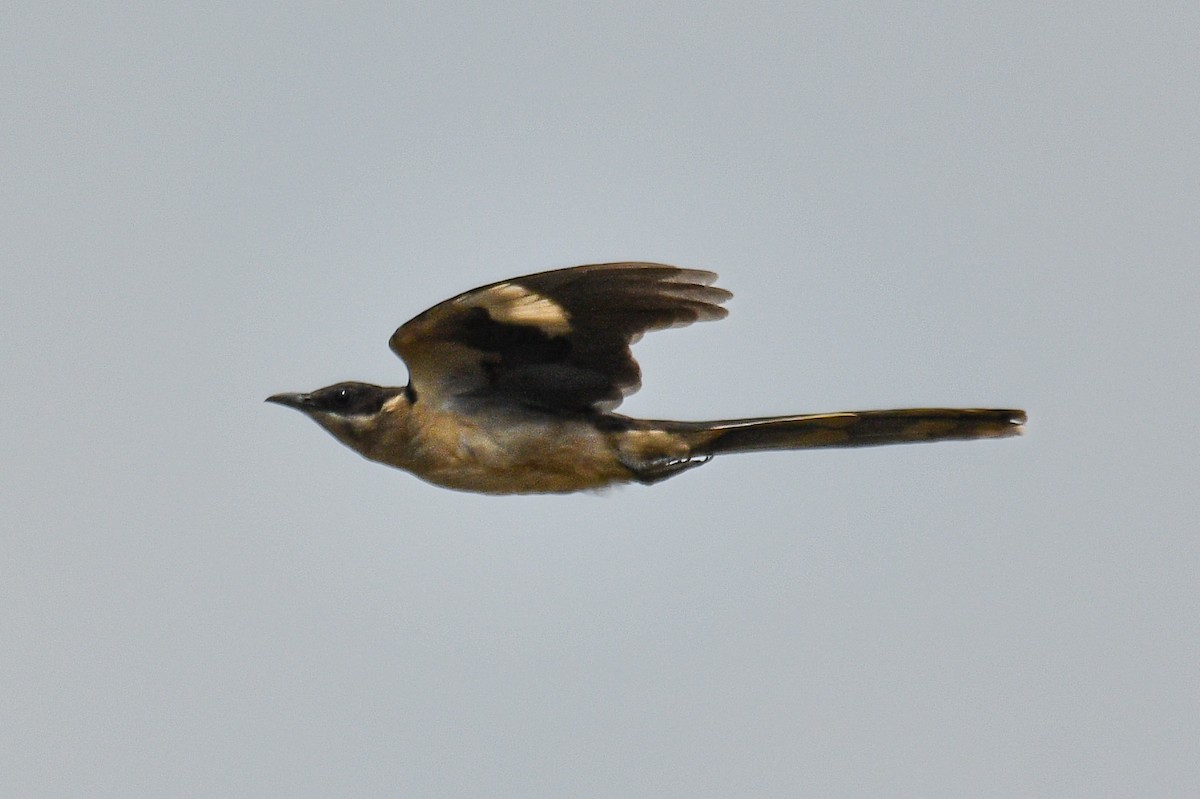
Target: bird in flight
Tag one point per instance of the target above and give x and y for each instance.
(512, 388)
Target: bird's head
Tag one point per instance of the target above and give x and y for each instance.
(352, 412)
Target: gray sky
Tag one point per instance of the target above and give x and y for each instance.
(202, 595)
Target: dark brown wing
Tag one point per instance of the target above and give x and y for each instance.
(557, 340)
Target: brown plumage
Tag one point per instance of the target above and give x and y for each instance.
(512, 387)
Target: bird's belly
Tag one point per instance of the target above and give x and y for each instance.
(530, 479)
(518, 457)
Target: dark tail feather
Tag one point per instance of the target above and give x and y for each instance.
(849, 429)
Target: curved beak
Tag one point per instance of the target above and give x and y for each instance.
(297, 401)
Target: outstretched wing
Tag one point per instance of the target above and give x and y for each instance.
(556, 340)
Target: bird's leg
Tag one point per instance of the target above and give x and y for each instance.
(649, 472)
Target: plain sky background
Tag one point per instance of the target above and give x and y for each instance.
(918, 204)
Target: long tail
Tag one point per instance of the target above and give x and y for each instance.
(848, 429)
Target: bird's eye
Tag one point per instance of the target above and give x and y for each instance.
(345, 397)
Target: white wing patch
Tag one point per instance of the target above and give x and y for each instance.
(511, 304)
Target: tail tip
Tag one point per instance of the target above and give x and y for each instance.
(1016, 423)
